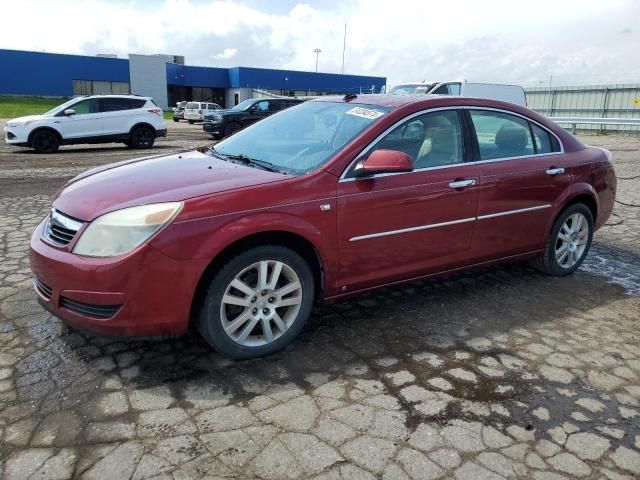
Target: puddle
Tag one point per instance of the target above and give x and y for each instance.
(601, 263)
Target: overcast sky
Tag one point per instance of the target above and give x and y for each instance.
(576, 41)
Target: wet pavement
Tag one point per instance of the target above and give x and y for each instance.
(496, 373)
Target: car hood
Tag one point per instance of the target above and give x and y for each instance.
(169, 178)
(28, 118)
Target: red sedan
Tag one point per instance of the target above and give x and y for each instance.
(327, 199)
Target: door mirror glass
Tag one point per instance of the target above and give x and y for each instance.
(69, 111)
(384, 161)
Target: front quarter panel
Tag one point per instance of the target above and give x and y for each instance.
(304, 206)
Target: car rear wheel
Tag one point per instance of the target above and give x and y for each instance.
(45, 141)
(175, 119)
(568, 243)
(191, 122)
(142, 137)
(257, 303)
(232, 128)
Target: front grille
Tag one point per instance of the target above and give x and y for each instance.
(60, 228)
(95, 311)
(43, 289)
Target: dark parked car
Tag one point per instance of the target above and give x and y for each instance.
(226, 122)
(178, 111)
(327, 199)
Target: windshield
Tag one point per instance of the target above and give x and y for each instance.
(64, 106)
(244, 105)
(412, 88)
(302, 138)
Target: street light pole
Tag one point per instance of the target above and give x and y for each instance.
(317, 50)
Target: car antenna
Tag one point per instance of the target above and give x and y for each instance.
(350, 96)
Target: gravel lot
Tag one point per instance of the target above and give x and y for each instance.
(495, 373)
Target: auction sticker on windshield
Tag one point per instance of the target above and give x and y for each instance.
(364, 112)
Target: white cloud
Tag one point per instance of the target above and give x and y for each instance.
(226, 54)
(491, 40)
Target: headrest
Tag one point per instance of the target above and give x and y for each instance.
(512, 137)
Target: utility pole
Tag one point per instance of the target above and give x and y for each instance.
(344, 46)
(550, 98)
(317, 50)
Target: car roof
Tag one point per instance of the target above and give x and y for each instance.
(423, 101)
(115, 95)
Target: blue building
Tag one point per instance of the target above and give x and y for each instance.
(163, 77)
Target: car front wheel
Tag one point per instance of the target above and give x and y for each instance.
(257, 303)
(142, 137)
(232, 128)
(568, 243)
(45, 141)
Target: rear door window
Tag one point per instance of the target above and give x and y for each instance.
(544, 141)
(501, 135)
(118, 104)
(263, 106)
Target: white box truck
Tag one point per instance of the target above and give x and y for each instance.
(494, 91)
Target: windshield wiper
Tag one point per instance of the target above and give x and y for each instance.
(270, 167)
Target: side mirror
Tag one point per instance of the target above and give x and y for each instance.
(69, 111)
(384, 161)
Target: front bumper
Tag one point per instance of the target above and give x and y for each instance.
(215, 129)
(143, 293)
(17, 135)
(161, 132)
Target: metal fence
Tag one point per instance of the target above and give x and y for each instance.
(620, 101)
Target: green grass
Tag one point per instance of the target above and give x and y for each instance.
(12, 107)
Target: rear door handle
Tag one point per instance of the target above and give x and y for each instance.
(462, 183)
(554, 171)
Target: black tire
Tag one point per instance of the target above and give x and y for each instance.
(191, 122)
(232, 128)
(175, 119)
(45, 141)
(142, 137)
(547, 261)
(210, 321)
(128, 143)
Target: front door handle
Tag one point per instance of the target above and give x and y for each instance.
(462, 183)
(554, 171)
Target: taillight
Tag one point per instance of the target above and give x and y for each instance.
(157, 111)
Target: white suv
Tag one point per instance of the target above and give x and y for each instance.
(130, 119)
(195, 111)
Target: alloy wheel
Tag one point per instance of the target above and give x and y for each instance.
(143, 137)
(571, 241)
(261, 303)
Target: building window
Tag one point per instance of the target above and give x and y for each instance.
(97, 87)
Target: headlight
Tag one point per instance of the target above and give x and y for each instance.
(121, 231)
(21, 123)
(215, 118)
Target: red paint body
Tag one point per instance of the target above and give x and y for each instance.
(156, 283)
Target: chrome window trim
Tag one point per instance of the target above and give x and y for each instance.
(344, 178)
(445, 224)
(500, 110)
